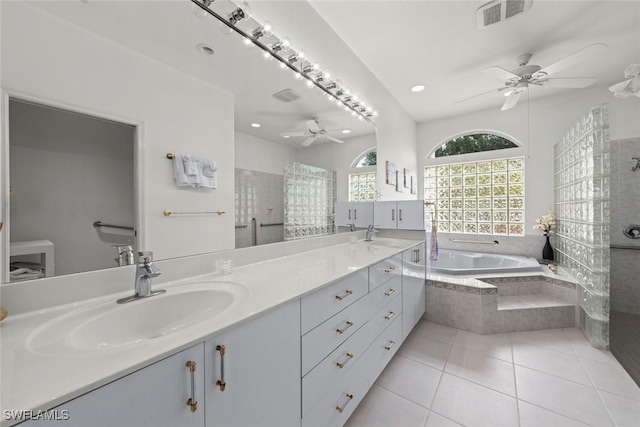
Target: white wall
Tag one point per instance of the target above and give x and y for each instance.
(67, 171)
(51, 61)
(338, 157)
(549, 119)
(260, 155)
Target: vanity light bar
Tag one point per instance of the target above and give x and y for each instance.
(305, 69)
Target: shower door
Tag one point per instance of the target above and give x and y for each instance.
(624, 327)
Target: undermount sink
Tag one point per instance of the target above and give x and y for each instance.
(109, 325)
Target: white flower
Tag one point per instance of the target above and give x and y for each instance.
(545, 223)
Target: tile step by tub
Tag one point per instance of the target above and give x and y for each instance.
(515, 302)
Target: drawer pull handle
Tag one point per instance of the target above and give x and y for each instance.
(341, 365)
(390, 292)
(341, 331)
(391, 344)
(344, 405)
(416, 256)
(221, 382)
(390, 315)
(389, 269)
(346, 294)
(393, 214)
(192, 400)
(349, 213)
(400, 214)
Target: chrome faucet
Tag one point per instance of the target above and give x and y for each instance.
(370, 231)
(145, 271)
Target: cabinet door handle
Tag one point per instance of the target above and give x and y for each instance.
(399, 214)
(416, 256)
(221, 382)
(341, 364)
(393, 214)
(192, 400)
(349, 213)
(391, 344)
(344, 405)
(390, 315)
(390, 292)
(389, 270)
(346, 294)
(355, 214)
(341, 331)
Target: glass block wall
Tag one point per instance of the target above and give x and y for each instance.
(485, 197)
(581, 169)
(309, 201)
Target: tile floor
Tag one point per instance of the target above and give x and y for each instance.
(446, 377)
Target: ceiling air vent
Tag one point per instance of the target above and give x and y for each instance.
(499, 10)
(286, 95)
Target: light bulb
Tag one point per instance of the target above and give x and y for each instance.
(247, 42)
(309, 84)
(266, 55)
(283, 65)
(297, 75)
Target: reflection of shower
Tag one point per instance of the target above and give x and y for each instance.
(637, 165)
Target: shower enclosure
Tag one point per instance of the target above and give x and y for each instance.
(624, 328)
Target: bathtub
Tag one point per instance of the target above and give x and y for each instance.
(468, 263)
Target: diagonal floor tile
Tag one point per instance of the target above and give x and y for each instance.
(481, 369)
(611, 378)
(382, 408)
(470, 404)
(425, 350)
(533, 416)
(625, 412)
(551, 362)
(437, 420)
(435, 331)
(494, 345)
(552, 339)
(412, 380)
(565, 397)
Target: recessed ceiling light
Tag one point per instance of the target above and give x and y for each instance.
(417, 88)
(346, 131)
(255, 125)
(205, 49)
(285, 136)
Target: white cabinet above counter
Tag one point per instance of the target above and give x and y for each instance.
(33, 380)
(388, 215)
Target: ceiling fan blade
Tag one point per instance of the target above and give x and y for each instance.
(511, 101)
(572, 82)
(330, 138)
(307, 142)
(501, 73)
(312, 125)
(293, 134)
(579, 56)
(483, 93)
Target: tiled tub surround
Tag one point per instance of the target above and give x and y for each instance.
(582, 180)
(501, 304)
(273, 275)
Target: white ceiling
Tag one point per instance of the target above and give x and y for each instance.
(375, 46)
(438, 43)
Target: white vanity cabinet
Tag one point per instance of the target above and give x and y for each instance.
(344, 348)
(358, 213)
(158, 395)
(252, 372)
(414, 274)
(401, 214)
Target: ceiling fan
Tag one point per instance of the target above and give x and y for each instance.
(516, 82)
(314, 131)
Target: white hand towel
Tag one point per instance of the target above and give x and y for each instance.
(182, 178)
(209, 176)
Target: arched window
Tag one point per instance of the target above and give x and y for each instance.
(477, 197)
(473, 143)
(362, 185)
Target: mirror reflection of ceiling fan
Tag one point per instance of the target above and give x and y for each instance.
(315, 130)
(517, 82)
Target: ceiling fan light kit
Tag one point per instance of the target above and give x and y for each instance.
(261, 35)
(521, 78)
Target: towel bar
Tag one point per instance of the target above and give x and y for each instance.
(99, 224)
(168, 212)
(272, 224)
(481, 242)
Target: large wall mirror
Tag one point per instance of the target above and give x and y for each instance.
(63, 84)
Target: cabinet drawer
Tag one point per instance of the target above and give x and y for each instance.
(337, 405)
(385, 317)
(322, 340)
(384, 271)
(321, 305)
(384, 294)
(381, 351)
(333, 367)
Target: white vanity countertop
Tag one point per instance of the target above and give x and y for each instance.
(36, 381)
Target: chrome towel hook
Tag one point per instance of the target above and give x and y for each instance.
(637, 165)
(632, 231)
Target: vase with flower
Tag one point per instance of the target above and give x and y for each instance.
(546, 224)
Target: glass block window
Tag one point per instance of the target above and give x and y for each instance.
(362, 187)
(485, 197)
